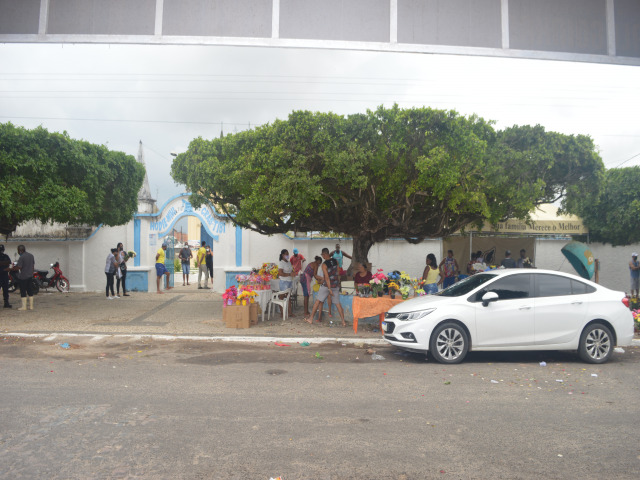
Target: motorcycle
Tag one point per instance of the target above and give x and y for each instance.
(58, 280)
(13, 283)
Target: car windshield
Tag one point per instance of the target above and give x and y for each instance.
(465, 286)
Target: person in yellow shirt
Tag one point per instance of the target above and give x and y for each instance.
(161, 269)
(202, 265)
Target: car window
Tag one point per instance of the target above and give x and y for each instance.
(510, 287)
(466, 285)
(552, 285)
(580, 288)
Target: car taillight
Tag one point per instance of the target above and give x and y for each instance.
(625, 300)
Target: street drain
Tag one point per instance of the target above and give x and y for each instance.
(276, 372)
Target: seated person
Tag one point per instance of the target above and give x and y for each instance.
(362, 276)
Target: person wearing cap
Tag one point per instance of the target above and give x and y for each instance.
(507, 261)
(297, 260)
(634, 268)
(161, 269)
(5, 264)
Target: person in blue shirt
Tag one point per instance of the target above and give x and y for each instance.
(339, 254)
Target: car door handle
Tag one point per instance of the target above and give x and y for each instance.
(524, 307)
(576, 303)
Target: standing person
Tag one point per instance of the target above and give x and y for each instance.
(202, 265)
(285, 274)
(208, 260)
(24, 267)
(185, 257)
(431, 274)
(330, 286)
(5, 266)
(297, 260)
(472, 262)
(449, 269)
(110, 270)
(634, 269)
(338, 255)
(507, 261)
(161, 270)
(520, 263)
(122, 258)
(310, 272)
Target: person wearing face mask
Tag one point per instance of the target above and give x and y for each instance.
(285, 274)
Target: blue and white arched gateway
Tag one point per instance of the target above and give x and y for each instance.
(149, 229)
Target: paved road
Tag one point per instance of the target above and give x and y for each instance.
(147, 409)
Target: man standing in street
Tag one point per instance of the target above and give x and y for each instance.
(634, 269)
(161, 269)
(185, 257)
(202, 265)
(25, 266)
(330, 286)
(5, 263)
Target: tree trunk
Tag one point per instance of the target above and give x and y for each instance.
(361, 246)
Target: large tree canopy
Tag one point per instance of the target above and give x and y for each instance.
(413, 173)
(51, 177)
(612, 213)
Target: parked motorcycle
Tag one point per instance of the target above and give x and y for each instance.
(13, 283)
(58, 280)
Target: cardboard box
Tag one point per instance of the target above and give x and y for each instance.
(254, 310)
(237, 316)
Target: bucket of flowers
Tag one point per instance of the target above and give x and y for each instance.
(404, 291)
(247, 295)
(377, 283)
(229, 296)
(636, 320)
(393, 287)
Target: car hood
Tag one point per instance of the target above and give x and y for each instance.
(421, 303)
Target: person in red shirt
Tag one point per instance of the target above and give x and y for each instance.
(297, 260)
(362, 276)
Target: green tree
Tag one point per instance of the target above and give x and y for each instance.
(611, 214)
(51, 177)
(414, 173)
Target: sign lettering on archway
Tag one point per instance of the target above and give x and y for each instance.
(178, 207)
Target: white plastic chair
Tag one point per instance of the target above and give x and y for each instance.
(283, 302)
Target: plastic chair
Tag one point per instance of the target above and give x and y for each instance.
(283, 302)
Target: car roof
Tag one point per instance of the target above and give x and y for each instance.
(520, 271)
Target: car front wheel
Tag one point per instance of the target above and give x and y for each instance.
(596, 344)
(449, 343)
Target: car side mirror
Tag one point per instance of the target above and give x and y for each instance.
(489, 297)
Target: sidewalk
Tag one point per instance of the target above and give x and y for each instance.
(181, 311)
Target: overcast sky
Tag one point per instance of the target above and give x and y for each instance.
(165, 96)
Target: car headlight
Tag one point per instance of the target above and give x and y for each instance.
(414, 315)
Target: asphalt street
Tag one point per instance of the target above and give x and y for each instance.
(115, 407)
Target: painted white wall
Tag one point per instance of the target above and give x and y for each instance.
(83, 262)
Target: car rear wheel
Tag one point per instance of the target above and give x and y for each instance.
(596, 344)
(449, 343)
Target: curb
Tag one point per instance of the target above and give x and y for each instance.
(211, 338)
(202, 338)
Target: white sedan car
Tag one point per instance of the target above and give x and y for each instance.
(513, 309)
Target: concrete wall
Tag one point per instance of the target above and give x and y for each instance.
(83, 262)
